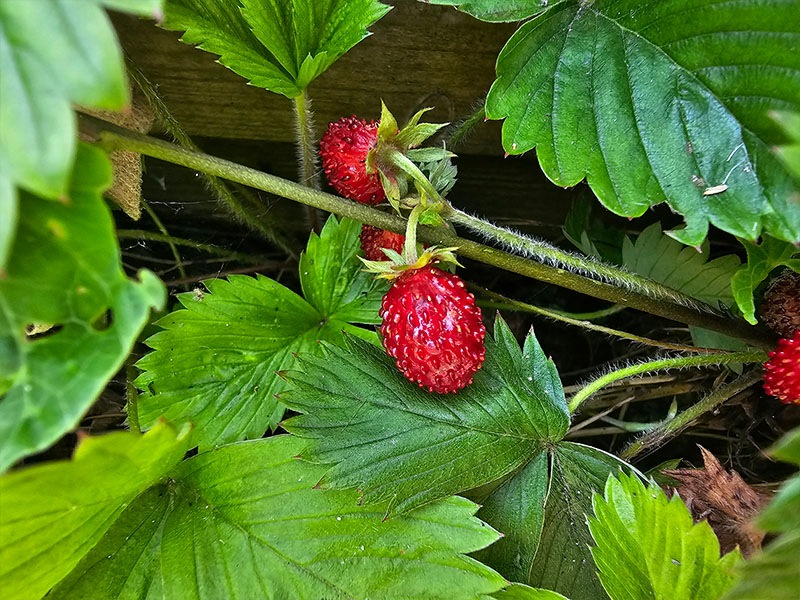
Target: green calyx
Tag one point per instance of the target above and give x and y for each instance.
(411, 258)
(390, 155)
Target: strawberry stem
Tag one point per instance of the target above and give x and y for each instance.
(678, 362)
(410, 245)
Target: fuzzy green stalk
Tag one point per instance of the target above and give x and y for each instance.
(723, 393)
(664, 364)
(592, 315)
(464, 128)
(306, 150)
(585, 265)
(503, 303)
(113, 137)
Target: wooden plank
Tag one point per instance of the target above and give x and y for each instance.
(418, 56)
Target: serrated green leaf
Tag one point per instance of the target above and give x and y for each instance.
(772, 574)
(563, 561)
(214, 363)
(497, 11)
(52, 515)
(647, 546)
(280, 45)
(762, 259)
(244, 521)
(402, 444)
(53, 53)
(64, 270)
(650, 102)
(686, 270)
(143, 8)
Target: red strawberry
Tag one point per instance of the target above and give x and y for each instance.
(433, 329)
(782, 370)
(344, 149)
(374, 238)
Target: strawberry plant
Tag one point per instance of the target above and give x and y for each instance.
(412, 401)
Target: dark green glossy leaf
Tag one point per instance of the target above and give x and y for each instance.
(762, 259)
(400, 443)
(789, 152)
(647, 546)
(215, 362)
(244, 521)
(64, 270)
(281, 45)
(52, 515)
(652, 102)
(498, 11)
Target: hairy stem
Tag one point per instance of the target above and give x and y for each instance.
(588, 266)
(462, 131)
(678, 362)
(658, 437)
(118, 138)
(502, 302)
(306, 150)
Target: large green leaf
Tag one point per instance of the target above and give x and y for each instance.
(762, 259)
(52, 515)
(144, 8)
(647, 546)
(281, 45)
(64, 270)
(243, 521)
(400, 443)
(518, 591)
(772, 575)
(653, 102)
(8, 216)
(214, 364)
(496, 11)
(53, 53)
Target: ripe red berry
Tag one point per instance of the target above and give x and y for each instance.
(375, 238)
(343, 149)
(433, 329)
(782, 370)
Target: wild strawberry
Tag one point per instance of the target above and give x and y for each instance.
(782, 370)
(374, 238)
(433, 329)
(344, 149)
